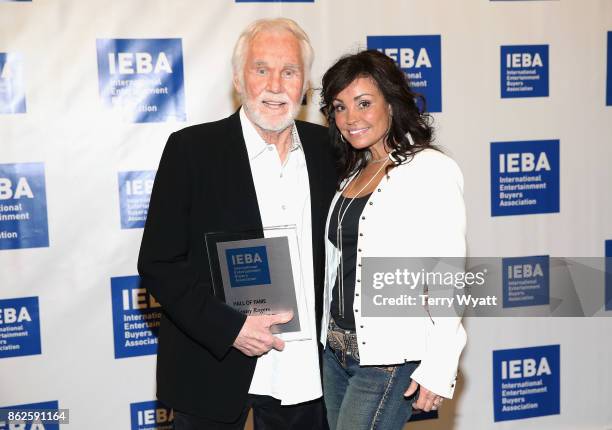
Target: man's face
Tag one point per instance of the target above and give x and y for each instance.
(272, 88)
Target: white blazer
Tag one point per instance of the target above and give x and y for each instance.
(416, 211)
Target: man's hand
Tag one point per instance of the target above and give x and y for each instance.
(427, 400)
(255, 338)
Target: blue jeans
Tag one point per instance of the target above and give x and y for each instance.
(363, 397)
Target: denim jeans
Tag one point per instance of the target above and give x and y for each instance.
(363, 397)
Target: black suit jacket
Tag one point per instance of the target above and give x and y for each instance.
(204, 184)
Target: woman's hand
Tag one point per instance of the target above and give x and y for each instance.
(426, 401)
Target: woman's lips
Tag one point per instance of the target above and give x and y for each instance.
(358, 131)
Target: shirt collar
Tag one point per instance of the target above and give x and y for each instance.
(255, 144)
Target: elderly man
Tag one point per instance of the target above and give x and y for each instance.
(254, 169)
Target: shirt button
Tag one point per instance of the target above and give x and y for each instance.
(359, 250)
(379, 190)
(360, 234)
(371, 203)
(362, 217)
(283, 207)
(356, 310)
(363, 343)
(360, 326)
(356, 294)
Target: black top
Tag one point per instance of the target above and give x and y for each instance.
(350, 229)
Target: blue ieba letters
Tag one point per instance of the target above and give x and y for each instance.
(23, 206)
(19, 327)
(524, 177)
(134, 195)
(151, 415)
(248, 266)
(12, 93)
(526, 382)
(524, 71)
(136, 318)
(526, 281)
(142, 78)
(420, 58)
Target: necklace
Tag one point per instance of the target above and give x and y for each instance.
(339, 218)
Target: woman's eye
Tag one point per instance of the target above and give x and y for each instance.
(338, 108)
(288, 73)
(260, 71)
(364, 104)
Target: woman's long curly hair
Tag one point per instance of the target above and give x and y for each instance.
(410, 131)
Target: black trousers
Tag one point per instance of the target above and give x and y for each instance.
(268, 414)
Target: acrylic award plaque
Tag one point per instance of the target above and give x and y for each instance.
(259, 272)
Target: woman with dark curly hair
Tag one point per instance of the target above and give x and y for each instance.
(397, 196)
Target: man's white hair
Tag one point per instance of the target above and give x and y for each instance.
(274, 24)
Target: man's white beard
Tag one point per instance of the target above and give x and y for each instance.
(254, 109)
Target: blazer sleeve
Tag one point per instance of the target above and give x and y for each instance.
(164, 262)
(444, 237)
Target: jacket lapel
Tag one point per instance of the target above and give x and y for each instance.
(242, 196)
(313, 164)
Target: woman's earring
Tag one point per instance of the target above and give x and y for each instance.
(342, 138)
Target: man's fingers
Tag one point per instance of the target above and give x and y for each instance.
(278, 344)
(428, 405)
(281, 318)
(419, 403)
(411, 389)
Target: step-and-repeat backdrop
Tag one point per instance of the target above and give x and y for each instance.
(521, 92)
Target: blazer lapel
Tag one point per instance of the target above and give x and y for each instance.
(313, 164)
(242, 196)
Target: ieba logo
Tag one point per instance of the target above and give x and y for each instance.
(134, 194)
(23, 206)
(248, 266)
(524, 177)
(151, 415)
(136, 318)
(142, 78)
(526, 281)
(19, 327)
(524, 71)
(12, 93)
(526, 382)
(420, 58)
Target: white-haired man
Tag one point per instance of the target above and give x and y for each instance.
(256, 168)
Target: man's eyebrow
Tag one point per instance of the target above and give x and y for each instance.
(258, 63)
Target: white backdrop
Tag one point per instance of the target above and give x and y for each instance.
(84, 145)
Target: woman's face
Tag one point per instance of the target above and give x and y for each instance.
(362, 115)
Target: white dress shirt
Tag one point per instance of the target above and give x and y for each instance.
(283, 196)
